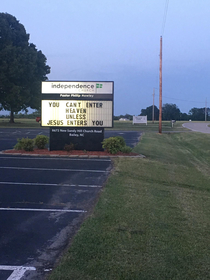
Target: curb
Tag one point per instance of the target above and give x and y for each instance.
(72, 156)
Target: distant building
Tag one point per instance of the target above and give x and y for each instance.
(123, 120)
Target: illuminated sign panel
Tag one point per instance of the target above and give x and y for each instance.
(77, 104)
(76, 113)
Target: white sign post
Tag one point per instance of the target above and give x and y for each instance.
(139, 119)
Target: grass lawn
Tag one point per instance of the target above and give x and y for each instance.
(118, 125)
(166, 126)
(19, 123)
(152, 220)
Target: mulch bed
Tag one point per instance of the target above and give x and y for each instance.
(65, 153)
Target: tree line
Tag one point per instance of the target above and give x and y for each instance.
(172, 112)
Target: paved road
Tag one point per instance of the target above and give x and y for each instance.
(198, 127)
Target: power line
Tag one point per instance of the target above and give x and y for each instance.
(184, 100)
(165, 16)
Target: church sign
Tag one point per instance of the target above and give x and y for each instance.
(77, 112)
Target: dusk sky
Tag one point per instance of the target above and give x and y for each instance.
(119, 40)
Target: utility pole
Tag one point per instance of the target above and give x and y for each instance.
(153, 107)
(205, 109)
(160, 89)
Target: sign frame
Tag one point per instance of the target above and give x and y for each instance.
(88, 91)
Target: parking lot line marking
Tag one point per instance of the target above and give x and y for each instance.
(51, 158)
(43, 210)
(82, 186)
(53, 169)
(18, 271)
(53, 185)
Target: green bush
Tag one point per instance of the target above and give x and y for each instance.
(113, 145)
(126, 149)
(25, 144)
(69, 147)
(116, 144)
(41, 141)
(121, 140)
(19, 145)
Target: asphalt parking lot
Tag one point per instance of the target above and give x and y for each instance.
(9, 136)
(43, 201)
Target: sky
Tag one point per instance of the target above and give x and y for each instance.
(119, 40)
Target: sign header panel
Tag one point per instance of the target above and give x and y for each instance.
(55, 87)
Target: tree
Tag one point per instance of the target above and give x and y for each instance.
(198, 114)
(184, 117)
(148, 112)
(22, 68)
(170, 112)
